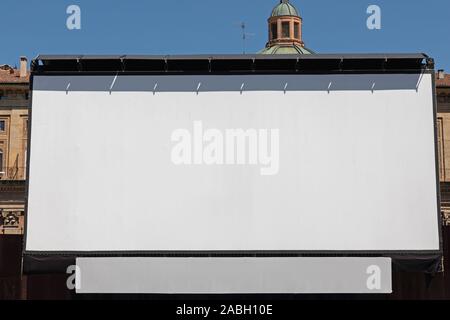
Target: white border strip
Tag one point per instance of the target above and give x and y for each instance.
(233, 275)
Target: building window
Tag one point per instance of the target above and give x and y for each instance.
(2, 125)
(274, 29)
(25, 127)
(442, 173)
(297, 30)
(285, 29)
(443, 98)
(1, 161)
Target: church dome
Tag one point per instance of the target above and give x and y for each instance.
(284, 8)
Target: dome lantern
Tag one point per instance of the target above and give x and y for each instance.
(285, 31)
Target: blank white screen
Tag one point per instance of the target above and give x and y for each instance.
(357, 167)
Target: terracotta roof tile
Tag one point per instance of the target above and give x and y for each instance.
(443, 83)
(11, 75)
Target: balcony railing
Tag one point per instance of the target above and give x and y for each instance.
(13, 173)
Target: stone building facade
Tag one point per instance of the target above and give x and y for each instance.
(14, 105)
(443, 127)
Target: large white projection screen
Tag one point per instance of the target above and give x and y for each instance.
(330, 163)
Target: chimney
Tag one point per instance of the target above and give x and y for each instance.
(23, 67)
(441, 74)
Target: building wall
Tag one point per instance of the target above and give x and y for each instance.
(13, 143)
(443, 127)
(443, 98)
(14, 100)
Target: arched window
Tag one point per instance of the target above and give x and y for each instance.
(285, 29)
(297, 30)
(274, 28)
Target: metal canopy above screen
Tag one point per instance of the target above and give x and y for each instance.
(188, 64)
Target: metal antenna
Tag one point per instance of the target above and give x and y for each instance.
(245, 35)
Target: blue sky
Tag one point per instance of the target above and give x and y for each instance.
(30, 27)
